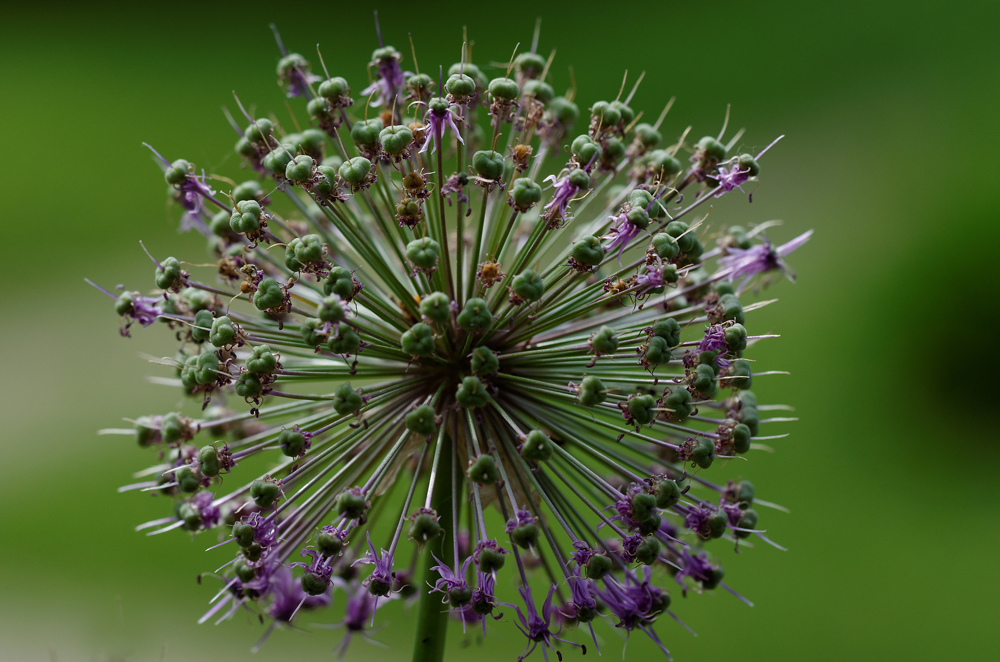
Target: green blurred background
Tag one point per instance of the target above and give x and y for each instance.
(890, 115)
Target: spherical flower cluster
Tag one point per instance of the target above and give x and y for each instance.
(447, 401)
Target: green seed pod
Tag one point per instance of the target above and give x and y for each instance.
(643, 505)
(613, 150)
(732, 309)
(702, 453)
(326, 183)
(528, 285)
(471, 393)
(313, 584)
(647, 136)
(197, 299)
(253, 553)
(366, 133)
(222, 333)
(339, 281)
(648, 551)
(268, 295)
(488, 164)
(435, 307)
(679, 404)
(475, 316)
(483, 470)
(425, 527)
(641, 407)
(187, 480)
(145, 433)
(244, 571)
(638, 217)
(739, 375)
(716, 525)
(345, 342)
(190, 515)
(668, 494)
(715, 576)
(300, 169)
(245, 148)
(245, 217)
(351, 505)
(423, 253)
(261, 360)
(537, 447)
(243, 533)
(168, 273)
(650, 524)
(694, 255)
(504, 89)
(704, 380)
(292, 442)
(334, 88)
(585, 150)
(741, 493)
(592, 392)
(421, 420)
(290, 62)
(736, 338)
(219, 224)
(319, 110)
(539, 90)
(248, 385)
(278, 159)
(713, 149)
(484, 362)
(259, 130)
(677, 230)
(460, 86)
(491, 560)
(346, 400)
(604, 115)
(749, 164)
(665, 246)
(588, 251)
(626, 113)
(459, 597)
(354, 171)
(202, 327)
(747, 521)
(525, 536)
(331, 309)
(328, 544)
(208, 461)
(663, 164)
(604, 341)
(248, 190)
(657, 351)
(564, 111)
(639, 198)
(177, 172)
(418, 341)
(525, 193)
(530, 65)
(395, 139)
(206, 368)
(264, 493)
(598, 566)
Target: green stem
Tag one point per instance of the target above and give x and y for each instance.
(432, 617)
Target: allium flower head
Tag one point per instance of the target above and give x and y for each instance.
(391, 396)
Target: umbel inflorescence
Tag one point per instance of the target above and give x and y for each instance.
(427, 370)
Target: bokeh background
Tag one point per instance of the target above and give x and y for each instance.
(890, 112)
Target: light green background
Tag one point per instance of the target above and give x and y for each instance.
(890, 334)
